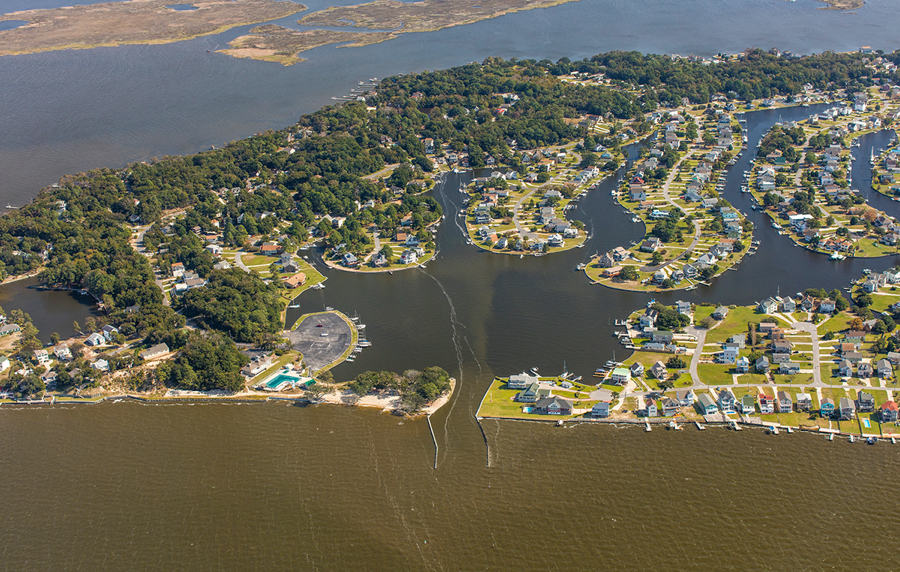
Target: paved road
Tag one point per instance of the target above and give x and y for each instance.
(700, 334)
(320, 350)
(138, 244)
(240, 263)
(814, 334)
(671, 201)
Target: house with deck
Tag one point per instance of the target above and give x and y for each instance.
(706, 405)
(785, 404)
(826, 407)
(766, 403)
(888, 412)
(847, 409)
(553, 405)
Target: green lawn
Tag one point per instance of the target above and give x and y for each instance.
(736, 323)
(498, 403)
(715, 374)
(837, 323)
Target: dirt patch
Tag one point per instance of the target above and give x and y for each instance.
(132, 22)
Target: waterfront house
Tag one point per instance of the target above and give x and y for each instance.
(768, 306)
(683, 307)
(649, 409)
(42, 357)
(747, 405)
(637, 369)
(685, 397)
(706, 404)
(804, 402)
(789, 368)
(62, 352)
(349, 259)
(788, 305)
(94, 339)
(521, 381)
(888, 412)
(865, 402)
(155, 351)
(652, 244)
(553, 405)
(766, 403)
(670, 407)
(649, 318)
(720, 313)
(726, 401)
(9, 329)
(847, 408)
(620, 376)
(785, 404)
(600, 410)
(884, 368)
(826, 407)
(659, 371)
(826, 306)
(109, 332)
(532, 393)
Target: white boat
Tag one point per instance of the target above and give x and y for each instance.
(294, 306)
(776, 225)
(837, 256)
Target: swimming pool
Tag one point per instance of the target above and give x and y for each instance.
(280, 381)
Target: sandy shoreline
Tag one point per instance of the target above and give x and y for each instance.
(388, 403)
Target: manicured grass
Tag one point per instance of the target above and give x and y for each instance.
(799, 379)
(836, 323)
(715, 374)
(736, 323)
(498, 403)
(258, 259)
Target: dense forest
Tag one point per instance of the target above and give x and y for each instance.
(280, 185)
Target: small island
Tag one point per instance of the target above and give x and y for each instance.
(132, 22)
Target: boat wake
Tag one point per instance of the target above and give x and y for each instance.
(459, 338)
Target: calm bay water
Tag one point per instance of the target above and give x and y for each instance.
(121, 486)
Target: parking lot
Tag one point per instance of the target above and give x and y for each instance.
(322, 339)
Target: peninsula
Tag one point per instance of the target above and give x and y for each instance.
(815, 362)
(187, 257)
(132, 22)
